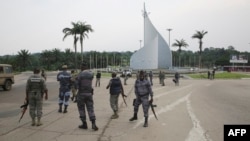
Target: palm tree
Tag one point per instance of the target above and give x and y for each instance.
(83, 30)
(180, 43)
(72, 31)
(23, 58)
(199, 35)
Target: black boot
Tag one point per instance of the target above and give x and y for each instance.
(146, 122)
(60, 108)
(94, 127)
(65, 109)
(134, 117)
(84, 125)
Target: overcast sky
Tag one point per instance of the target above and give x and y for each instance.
(36, 25)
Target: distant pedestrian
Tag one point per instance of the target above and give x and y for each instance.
(142, 92)
(159, 76)
(98, 78)
(44, 75)
(85, 97)
(35, 89)
(73, 87)
(208, 74)
(213, 73)
(162, 78)
(115, 88)
(65, 89)
(176, 77)
(125, 77)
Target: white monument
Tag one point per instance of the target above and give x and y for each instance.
(155, 54)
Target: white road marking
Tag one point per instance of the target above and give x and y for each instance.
(196, 133)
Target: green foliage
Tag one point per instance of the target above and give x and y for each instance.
(221, 75)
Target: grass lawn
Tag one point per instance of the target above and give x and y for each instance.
(221, 75)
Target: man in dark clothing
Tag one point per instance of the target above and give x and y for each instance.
(116, 88)
(85, 97)
(98, 78)
(177, 77)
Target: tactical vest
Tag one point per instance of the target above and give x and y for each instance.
(35, 84)
(85, 82)
(115, 87)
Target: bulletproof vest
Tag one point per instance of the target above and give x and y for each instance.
(64, 79)
(115, 87)
(35, 84)
(85, 82)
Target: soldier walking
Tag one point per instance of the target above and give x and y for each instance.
(85, 97)
(177, 77)
(116, 88)
(98, 78)
(142, 92)
(44, 75)
(73, 89)
(35, 89)
(162, 78)
(65, 87)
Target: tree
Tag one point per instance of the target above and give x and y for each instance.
(23, 58)
(73, 32)
(180, 43)
(199, 35)
(83, 30)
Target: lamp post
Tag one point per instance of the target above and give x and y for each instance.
(169, 29)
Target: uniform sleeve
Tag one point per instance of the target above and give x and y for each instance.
(136, 88)
(150, 89)
(58, 79)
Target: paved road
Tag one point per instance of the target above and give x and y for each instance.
(194, 111)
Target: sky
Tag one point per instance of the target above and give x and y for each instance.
(36, 25)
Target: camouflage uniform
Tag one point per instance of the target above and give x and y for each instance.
(64, 91)
(142, 91)
(85, 98)
(162, 78)
(73, 88)
(35, 88)
(116, 88)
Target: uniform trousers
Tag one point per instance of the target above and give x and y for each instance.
(35, 104)
(145, 104)
(85, 100)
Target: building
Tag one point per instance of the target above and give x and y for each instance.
(155, 54)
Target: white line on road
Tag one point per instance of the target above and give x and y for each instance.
(196, 133)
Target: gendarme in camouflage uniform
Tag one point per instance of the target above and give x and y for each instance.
(35, 88)
(142, 92)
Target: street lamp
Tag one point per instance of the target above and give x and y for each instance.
(169, 29)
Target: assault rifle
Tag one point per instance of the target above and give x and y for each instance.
(24, 108)
(152, 108)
